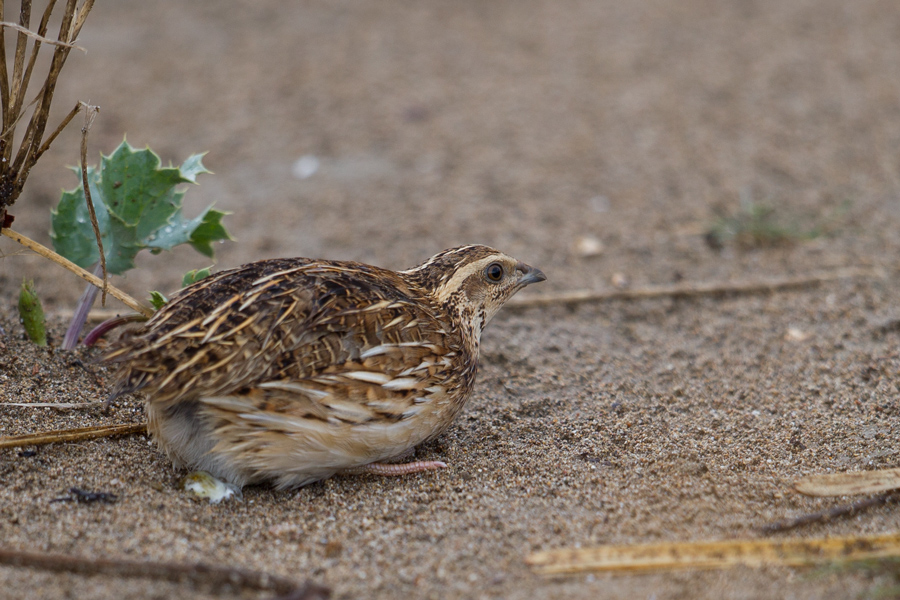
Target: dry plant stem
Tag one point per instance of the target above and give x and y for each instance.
(38, 37)
(81, 17)
(832, 513)
(59, 129)
(57, 406)
(42, 30)
(89, 113)
(849, 483)
(691, 290)
(14, 86)
(4, 78)
(95, 316)
(17, 91)
(197, 573)
(99, 331)
(35, 130)
(722, 554)
(47, 253)
(71, 435)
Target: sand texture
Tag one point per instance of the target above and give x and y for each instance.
(596, 140)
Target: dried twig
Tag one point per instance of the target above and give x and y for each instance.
(81, 17)
(16, 165)
(197, 574)
(667, 556)
(17, 90)
(90, 112)
(71, 435)
(832, 513)
(34, 132)
(4, 89)
(849, 484)
(39, 38)
(58, 130)
(87, 276)
(691, 290)
(56, 405)
(36, 48)
(96, 315)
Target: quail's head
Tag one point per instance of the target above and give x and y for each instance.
(474, 282)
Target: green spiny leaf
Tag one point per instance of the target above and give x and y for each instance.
(194, 276)
(157, 300)
(137, 207)
(193, 166)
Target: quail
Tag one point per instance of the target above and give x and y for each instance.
(292, 370)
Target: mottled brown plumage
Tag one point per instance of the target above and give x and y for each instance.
(292, 370)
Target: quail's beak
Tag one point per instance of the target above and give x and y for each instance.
(529, 274)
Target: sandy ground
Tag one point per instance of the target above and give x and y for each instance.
(527, 126)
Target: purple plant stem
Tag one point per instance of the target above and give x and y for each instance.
(108, 325)
(81, 312)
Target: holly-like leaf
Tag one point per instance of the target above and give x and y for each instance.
(194, 276)
(157, 300)
(137, 206)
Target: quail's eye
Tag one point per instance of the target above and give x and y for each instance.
(494, 272)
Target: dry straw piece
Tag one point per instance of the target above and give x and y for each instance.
(696, 289)
(71, 435)
(849, 484)
(668, 556)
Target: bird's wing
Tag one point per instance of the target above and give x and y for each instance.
(337, 340)
(386, 362)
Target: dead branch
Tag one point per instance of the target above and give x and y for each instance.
(42, 31)
(16, 164)
(832, 513)
(17, 91)
(81, 17)
(90, 112)
(87, 276)
(71, 435)
(38, 37)
(4, 88)
(58, 130)
(197, 573)
(34, 132)
(694, 289)
(95, 316)
(56, 405)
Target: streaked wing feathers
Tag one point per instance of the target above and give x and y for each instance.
(295, 337)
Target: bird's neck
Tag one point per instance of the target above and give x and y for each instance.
(470, 322)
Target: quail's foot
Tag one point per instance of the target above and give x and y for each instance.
(393, 469)
(203, 485)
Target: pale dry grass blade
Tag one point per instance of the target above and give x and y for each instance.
(71, 435)
(694, 289)
(849, 484)
(667, 556)
(87, 276)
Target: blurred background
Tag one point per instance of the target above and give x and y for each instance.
(621, 143)
(611, 144)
